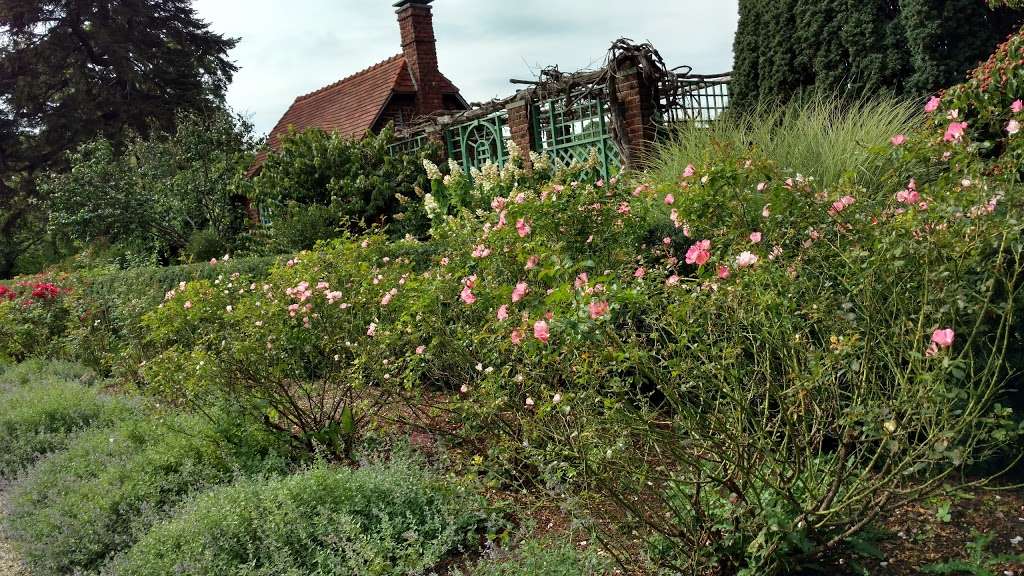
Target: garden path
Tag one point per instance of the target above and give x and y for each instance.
(9, 564)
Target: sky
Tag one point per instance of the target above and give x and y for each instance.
(291, 47)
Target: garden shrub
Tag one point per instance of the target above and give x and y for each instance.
(772, 362)
(319, 184)
(43, 408)
(391, 519)
(76, 509)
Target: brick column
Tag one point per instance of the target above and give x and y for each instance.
(637, 108)
(522, 131)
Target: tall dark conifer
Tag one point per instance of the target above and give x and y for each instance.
(904, 47)
(72, 70)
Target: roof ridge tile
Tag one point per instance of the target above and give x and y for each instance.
(380, 64)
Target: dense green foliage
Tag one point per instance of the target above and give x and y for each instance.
(319, 184)
(74, 71)
(158, 193)
(909, 48)
(384, 520)
(41, 414)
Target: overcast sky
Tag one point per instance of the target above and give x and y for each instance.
(291, 47)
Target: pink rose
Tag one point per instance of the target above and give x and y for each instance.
(898, 140)
(670, 199)
(699, 253)
(755, 237)
(688, 171)
(541, 331)
(598, 309)
(1017, 106)
(519, 291)
(746, 259)
(723, 272)
(522, 228)
(503, 313)
(933, 104)
(467, 295)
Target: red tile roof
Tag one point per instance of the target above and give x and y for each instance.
(350, 106)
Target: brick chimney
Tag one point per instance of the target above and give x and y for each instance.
(416, 21)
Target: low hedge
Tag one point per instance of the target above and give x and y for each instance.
(41, 414)
(76, 509)
(392, 519)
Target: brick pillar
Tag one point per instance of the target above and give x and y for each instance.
(522, 131)
(419, 47)
(637, 109)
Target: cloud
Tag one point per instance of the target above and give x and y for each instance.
(292, 48)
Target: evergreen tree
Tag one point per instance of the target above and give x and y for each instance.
(75, 70)
(857, 47)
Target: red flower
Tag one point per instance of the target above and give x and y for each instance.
(45, 291)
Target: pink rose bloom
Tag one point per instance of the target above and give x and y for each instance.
(672, 280)
(599, 183)
(623, 208)
(666, 241)
(699, 253)
(746, 259)
(723, 272)
(213, 261)
(520, 198)
(688, 171)
(502, 219)
(933, 104)
(386, 299)
(1017, 106)
(532, 262)
(371, 330)
(467, 295)
(541, 331)
(323, 286)
(1012, 127)
(955, 131)
(761, 186)
(481, 251)
(188, 305)
(943, 338)
(898, 140)
(519, 291)
(581, 280)
(847, 200)
(766, 212)
(421, 349)
(640, 190)
(598, 309)
(755, 237)
(522, 228)
(670, 199)
(640, 272)
(498, 203)
(503, 313)
(517, 336)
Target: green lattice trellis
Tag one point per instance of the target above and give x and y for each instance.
(570, 132)
(476, 143)
(409, 145)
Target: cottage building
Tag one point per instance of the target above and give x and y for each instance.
(399, 89)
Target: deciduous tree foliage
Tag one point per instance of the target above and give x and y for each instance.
(74, 70)
(906, 47)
